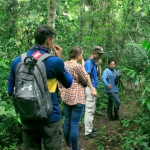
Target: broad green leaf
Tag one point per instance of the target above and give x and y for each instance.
(148, 106)
(2, 110)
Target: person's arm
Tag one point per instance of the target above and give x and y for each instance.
(62, 74)
(82, 64)
(88, 68)
(82, 74)
(11, 83)
(93, 91)
(105, 79)
(11, 78)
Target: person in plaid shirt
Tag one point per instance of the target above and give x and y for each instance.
(74, 97)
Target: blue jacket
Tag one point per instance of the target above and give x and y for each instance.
(108, 77)
(55, 71)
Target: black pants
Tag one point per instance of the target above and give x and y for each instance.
(113, 101)
(37, 133)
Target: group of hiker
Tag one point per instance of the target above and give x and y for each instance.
(77, 81)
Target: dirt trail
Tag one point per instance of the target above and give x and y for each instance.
(110, 132)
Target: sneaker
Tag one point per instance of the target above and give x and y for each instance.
(94, 129)
(90, 136)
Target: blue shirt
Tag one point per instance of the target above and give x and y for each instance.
(55, 70)
(91, 68)
(108, 77)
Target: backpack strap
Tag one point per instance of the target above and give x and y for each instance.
(44, 56)
(114, 74)
(92, 68)
(23, 56)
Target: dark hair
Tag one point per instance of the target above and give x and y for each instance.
(76, 50)
(42, 33)
(111, 61)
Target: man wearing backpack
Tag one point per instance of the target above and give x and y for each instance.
(94, 70)
(47, 132)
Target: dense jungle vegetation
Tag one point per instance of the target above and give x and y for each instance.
(121, 27)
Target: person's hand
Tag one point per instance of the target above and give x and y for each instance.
(94, 93)
(82, 62)
(119, 74)
(109, 86)
(58, 51)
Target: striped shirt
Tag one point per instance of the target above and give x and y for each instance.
(76, 93)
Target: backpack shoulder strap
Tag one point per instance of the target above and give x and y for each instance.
(23, 56)
(44, 56)
(92, 65)
(115, 71)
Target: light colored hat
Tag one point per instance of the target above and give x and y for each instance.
(98, 49)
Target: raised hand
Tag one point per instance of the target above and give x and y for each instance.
(58, 50)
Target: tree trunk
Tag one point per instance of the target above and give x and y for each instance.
(11, 12)
(51, 13)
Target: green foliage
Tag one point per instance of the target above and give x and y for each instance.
(125, 122)
(19, 19)
(136, 141)
(121, 27)
(10, 134)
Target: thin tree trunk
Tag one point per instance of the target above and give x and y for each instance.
(81, 21)
(51, 13)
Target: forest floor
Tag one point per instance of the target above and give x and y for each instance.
(111, 134)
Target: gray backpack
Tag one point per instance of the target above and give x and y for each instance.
(32, 99)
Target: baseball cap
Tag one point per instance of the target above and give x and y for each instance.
(98, 49)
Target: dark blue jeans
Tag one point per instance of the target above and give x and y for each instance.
(113, 99)
(73, 115)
